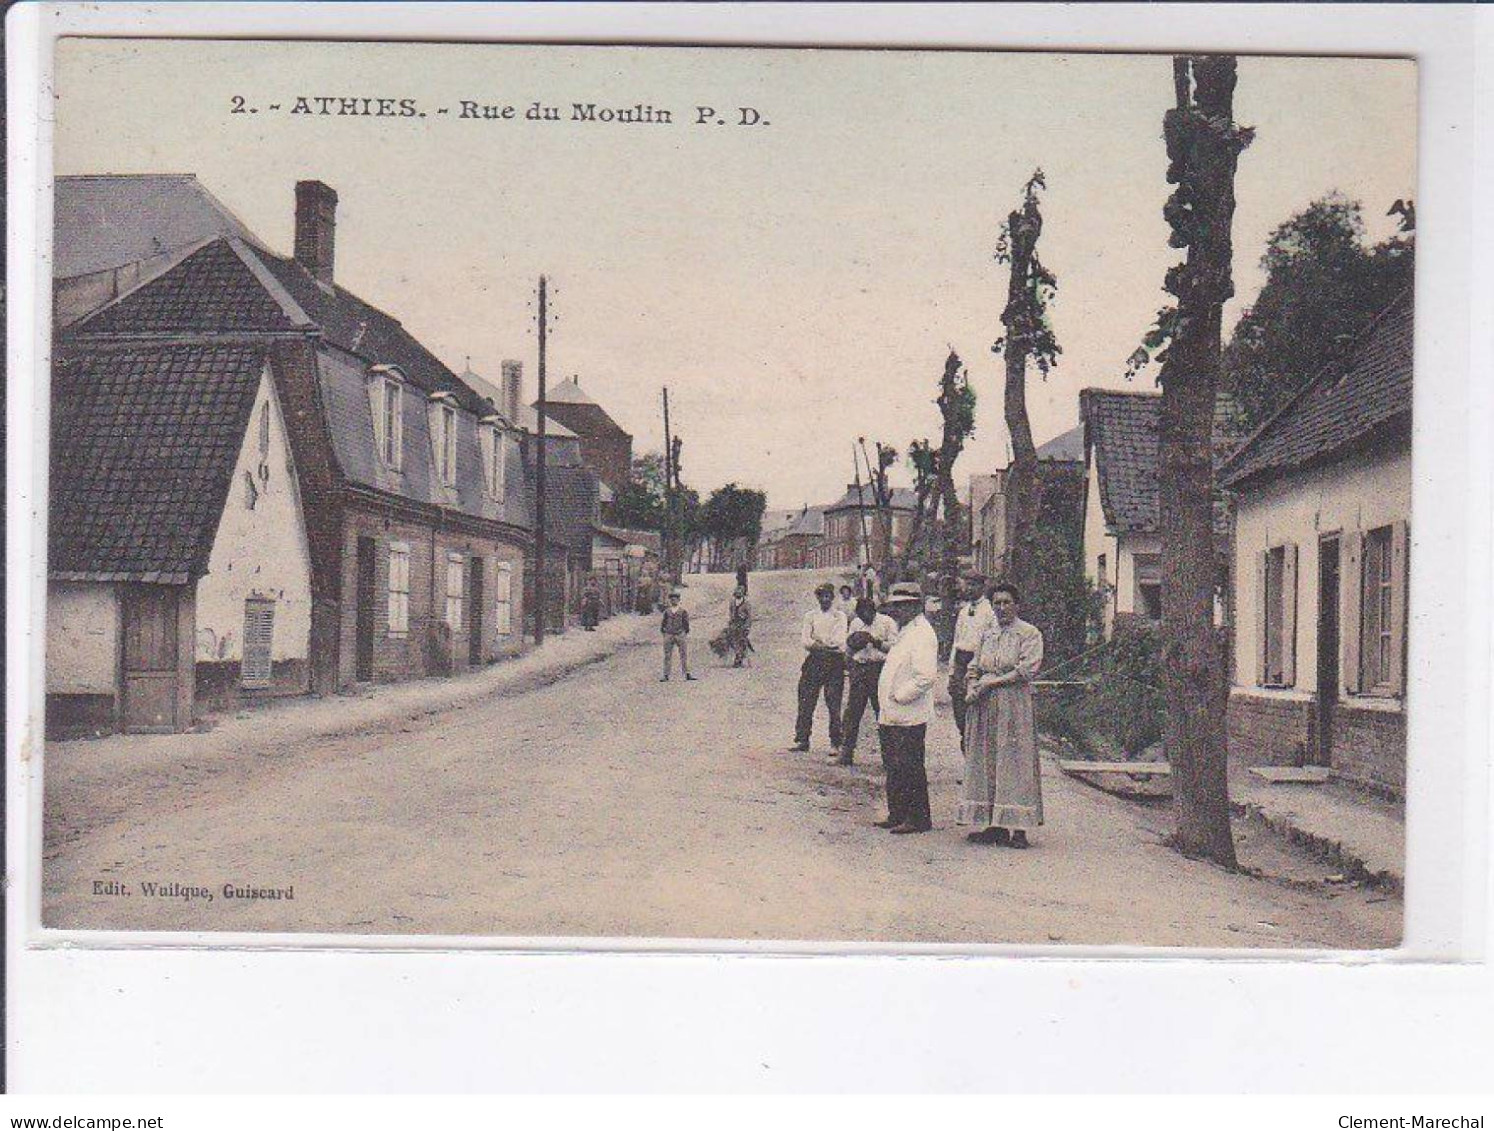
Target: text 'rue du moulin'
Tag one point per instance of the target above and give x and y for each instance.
(638, 114)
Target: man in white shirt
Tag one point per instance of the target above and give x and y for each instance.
(824, 670)
(868, 641)
(906, 692)
(974, 618)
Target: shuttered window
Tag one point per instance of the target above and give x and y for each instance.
(456, 576)
(503, 598)
(1278, 605)
(259, 636)
(1381, 607)
(399, 588)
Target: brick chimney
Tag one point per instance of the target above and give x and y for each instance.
(316, 228)
(513, 386)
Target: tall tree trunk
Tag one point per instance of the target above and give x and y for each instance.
(951, 444)
(1204, 147)
(1023, 227)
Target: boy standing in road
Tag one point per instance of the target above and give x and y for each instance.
(676, 630)
(824, 670)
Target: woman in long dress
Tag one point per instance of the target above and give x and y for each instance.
(1003, 795)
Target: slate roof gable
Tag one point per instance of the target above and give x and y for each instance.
(1362, 398)
(144, 443)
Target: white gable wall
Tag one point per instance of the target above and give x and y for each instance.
(1097, 541)
(259, 552)
(82, 638)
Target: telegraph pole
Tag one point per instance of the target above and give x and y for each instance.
(861, 507)
(539, 483)
(669, 475)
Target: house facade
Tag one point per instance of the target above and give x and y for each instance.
(411, 484)
(178, 562)
(1322, 556)
(606, 448)
(1061, 470)
(855, 530)
(791, 543)
(1121, 544)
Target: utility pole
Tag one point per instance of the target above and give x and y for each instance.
(861, 505)
(539, 484)
(668, 532)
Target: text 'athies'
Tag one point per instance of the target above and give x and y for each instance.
(637, 114)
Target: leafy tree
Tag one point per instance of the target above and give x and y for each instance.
(956, 403)
(924, 462)
(729, 514)
(1324, 284)
(640, 504)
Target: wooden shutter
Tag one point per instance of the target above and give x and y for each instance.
(1289, 615)
(1399, 589)
(1351, 601)
(1262, 616)
(259, 633)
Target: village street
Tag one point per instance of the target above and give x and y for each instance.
(605, 803)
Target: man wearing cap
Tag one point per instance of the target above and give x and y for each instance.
(824, 670)
(906, 692)
(974, 618)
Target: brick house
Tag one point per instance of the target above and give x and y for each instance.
(1322, 508)
(412, 484)
(791, 543)
(853, 521)
(179, 573)
(606, 448)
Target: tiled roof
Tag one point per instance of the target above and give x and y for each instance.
(216, 289)
(144, 442)
(902, 499)
(528, 419)
(1068, 447)
(568, 391)
(1121, 429)
(1349, 403)
(650, 540)
(570, 505)
(105, 222)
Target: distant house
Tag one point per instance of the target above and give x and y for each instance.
(1322, 543)
(855, 528)
(1060, 469)
(179, 572)
(1122, 546)
(573, 495)
(411, 484)
(605, 447)
(791, 543)
(115, 232)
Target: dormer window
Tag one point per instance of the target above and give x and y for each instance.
(443, 436)
(494, 452)
(389, 416)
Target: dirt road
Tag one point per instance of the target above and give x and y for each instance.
(610, 804)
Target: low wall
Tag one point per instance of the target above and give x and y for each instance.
(1269, 731)
(1369, 748)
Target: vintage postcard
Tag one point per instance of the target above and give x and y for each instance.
(729, 495)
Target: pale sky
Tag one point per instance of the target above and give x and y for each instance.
(795, 284)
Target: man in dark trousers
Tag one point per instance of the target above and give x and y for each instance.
(824, 670)
(676, 629)
(906, 692)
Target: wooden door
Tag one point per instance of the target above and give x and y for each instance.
(474, 614)
(1328, 645)
(152, 682)
(363, 610)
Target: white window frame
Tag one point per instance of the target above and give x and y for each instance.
(399, 588)
(390, 411)
(503, 598)
(497, 453)
(456, 571)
